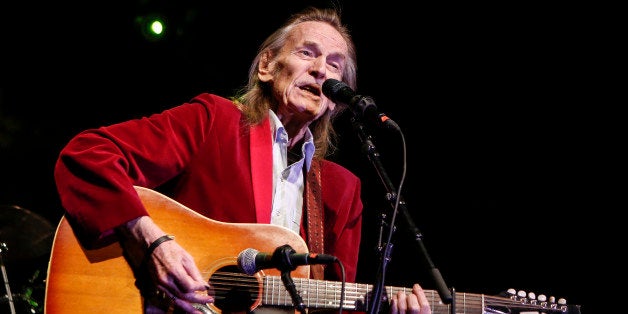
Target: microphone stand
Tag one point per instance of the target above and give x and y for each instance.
(373, 155)
(281, 257)
(5, 278)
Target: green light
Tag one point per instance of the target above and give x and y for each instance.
(157, 27)
(152, 26)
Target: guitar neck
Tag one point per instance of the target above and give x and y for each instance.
(322, 294)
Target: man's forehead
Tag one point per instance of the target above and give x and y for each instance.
(319, 33)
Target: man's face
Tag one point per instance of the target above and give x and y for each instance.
(314, 52)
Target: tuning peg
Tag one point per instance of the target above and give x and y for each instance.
(561, 304)
(541, 300)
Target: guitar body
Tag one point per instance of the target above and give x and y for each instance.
(101, 281)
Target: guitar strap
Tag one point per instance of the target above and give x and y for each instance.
(314, 216)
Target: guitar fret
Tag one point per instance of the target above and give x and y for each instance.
(304, 292)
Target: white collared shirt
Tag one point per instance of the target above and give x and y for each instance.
(288, 180)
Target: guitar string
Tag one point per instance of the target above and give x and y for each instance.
(223, 282)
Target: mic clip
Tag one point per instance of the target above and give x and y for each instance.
(281, 258)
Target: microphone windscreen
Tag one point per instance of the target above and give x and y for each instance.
(246, 261)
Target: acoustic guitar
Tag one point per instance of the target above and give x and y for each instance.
(101, 280)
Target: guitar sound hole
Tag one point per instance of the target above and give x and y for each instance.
(234, 291)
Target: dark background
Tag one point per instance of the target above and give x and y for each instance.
(504, 155)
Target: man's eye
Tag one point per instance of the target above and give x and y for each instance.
(305, 53)
(334, 68)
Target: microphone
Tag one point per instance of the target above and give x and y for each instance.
(284, 258)
(363, 106)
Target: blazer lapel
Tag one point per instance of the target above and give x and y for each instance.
(261, 170)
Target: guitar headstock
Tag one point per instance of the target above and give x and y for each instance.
(530, 301)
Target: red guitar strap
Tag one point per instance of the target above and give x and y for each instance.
(314, 216)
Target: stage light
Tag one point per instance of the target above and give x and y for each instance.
(152, 26)
(157, 28)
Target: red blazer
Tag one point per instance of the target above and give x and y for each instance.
(212, 162)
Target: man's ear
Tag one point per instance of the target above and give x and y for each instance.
(264, 72)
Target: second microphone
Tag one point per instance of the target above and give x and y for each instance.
(284, 258)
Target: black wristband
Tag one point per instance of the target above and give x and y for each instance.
(155, 244)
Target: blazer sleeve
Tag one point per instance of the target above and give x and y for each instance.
(97, 169)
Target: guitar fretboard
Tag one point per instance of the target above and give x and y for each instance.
(322, 294)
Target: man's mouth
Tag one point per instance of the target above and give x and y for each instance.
(312, 89)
